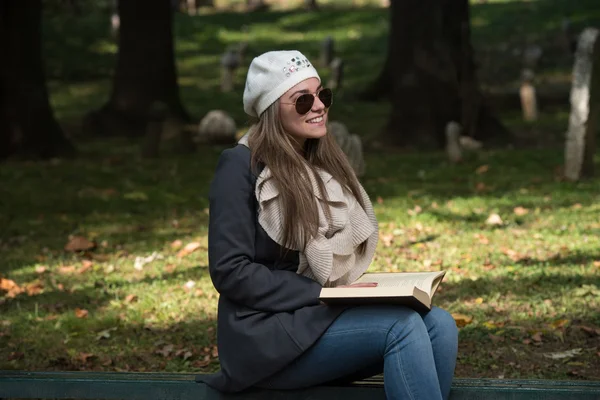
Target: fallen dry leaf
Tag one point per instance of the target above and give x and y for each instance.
(86, 265)
(482, 239)
(537, 337)
(415, 210)
(10, 287)
(202, 363)
(166, 350)
(16, 355)
(496, 338)
(520, 211)
(140, 262)
(492, 324)
(562, 354)
(461, 319)
(482, 169)
(105, 334)
(560, 323)
(81, 313)
(34, 289)
(576, 206)
(480, 187)
(176, 244)
(387, 239)
(591, 331)
(494, 219)
(379, 200)
(189, 285)
(66, 269)
(513, 255)
(488, 266)
(84, 357)
(184, 353)
(188, 249)
(79, 243)
(130, 298)
(170, 268)
(40, 269)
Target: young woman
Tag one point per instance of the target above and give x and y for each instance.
(288, 217)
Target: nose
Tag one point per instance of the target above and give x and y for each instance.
(317, 105)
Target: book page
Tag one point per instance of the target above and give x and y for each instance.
(401, 280)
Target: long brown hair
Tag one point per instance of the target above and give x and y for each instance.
(273, 147)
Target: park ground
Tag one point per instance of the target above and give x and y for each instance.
(104, 257)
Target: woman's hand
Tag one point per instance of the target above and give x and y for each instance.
(357, 285)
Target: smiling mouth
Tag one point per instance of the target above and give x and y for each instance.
(315, 120)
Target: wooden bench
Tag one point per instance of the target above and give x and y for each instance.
(158, 386)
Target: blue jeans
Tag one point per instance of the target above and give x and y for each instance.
(416, 352)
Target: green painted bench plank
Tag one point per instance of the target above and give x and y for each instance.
(158, 386)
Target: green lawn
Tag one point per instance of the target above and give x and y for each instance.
(523, 291)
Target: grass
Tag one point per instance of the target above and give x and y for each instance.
(522, 291)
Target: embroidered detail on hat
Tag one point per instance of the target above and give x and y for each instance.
(295, 65)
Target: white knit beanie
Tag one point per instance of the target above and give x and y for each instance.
(271, 75)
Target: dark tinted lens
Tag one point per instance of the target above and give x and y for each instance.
(304, 103)
(326, 97)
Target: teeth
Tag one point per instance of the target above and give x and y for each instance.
(315, 120)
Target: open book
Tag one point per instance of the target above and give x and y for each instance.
(414, 289)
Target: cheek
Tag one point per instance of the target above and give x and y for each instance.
(291, 121)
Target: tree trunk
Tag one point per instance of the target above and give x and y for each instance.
(311, 5)
(580, 143)
(256, 5)
(593, 123)
(145, 70)
(27, 124)
(430, 75)
(380, 88)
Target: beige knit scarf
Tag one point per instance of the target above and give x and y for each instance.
(332, 257)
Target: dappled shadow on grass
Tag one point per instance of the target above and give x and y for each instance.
(63, 293)
(58, 301)
(46, 245)
(141, 206)
(511, 352)
(535, 287)
(198, 272)
(91, 321)
(578, 258)
(511, 178)
(409, 243)
(187, 346)
(108, 195)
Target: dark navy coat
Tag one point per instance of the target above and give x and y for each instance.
(268, 315)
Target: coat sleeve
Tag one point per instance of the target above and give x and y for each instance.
(231, 237)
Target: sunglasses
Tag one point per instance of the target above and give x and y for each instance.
(304, 103)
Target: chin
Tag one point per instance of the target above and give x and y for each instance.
(318, 133)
